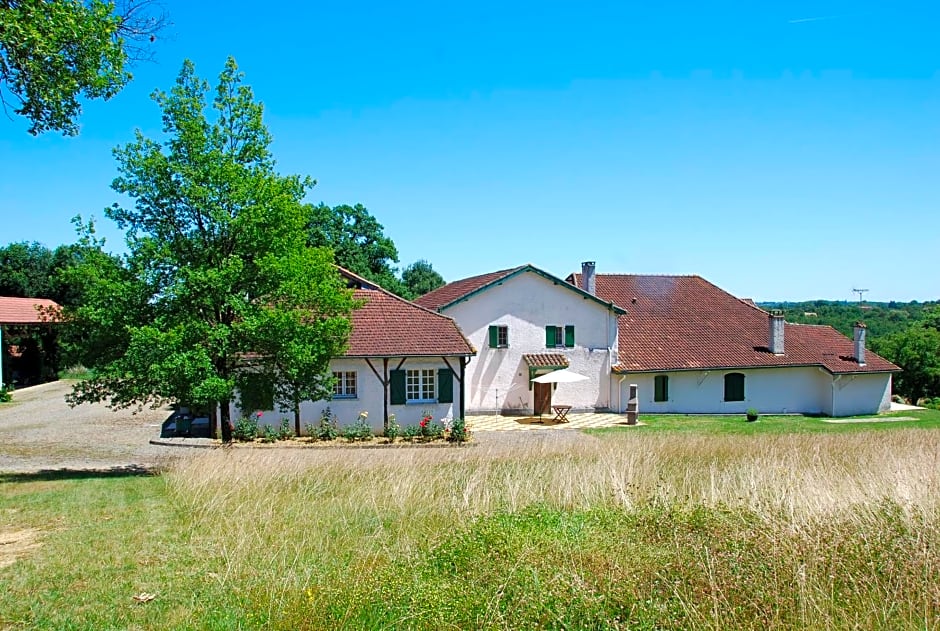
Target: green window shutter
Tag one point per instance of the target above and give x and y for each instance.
(494, 336)
(397, 384)
(550, 336)
(661, 388)
(734, 387)
(445, 385)
(569, 336)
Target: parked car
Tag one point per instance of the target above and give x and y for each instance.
(188, 423)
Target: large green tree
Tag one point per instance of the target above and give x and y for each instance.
(358, 242)
(53, 53)
(219, 286)
(917, 351)
(420, 278)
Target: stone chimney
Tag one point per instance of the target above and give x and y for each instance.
(860, 330)
(588, 281)
(777, 326)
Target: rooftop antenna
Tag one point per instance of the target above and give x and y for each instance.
(861, 293)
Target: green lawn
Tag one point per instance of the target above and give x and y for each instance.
(683, 523)
(736, 424)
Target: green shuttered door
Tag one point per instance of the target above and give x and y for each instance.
(445, 385)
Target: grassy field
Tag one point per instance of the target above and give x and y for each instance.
(641, 528)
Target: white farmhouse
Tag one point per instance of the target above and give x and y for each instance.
(689, 346)
(525, 322)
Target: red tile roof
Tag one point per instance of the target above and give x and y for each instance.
(545, 360)
(24, 310)
(442, 297)
(389, 326)
(460, 288)
(685, 323)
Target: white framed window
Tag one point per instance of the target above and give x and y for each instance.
(344, 385)
(420, 384)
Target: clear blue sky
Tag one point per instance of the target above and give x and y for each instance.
(784, 151)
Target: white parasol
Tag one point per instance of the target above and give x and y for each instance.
(559, 376)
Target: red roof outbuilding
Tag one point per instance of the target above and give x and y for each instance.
(26, 310)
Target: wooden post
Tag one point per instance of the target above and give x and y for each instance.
(463, 389)
(385, 392)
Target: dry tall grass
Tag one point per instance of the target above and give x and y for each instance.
(295, 519)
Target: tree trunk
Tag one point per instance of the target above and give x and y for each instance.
(297, 418)
(225, 420)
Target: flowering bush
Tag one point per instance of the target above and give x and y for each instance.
(327, 428)
(360, 430)
(393, 429)
(430, 429)
(455, 430)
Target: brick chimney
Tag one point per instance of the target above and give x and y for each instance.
(860, 330)
(777, 326)
(588, 283)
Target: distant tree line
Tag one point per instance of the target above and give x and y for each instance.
(907, 334)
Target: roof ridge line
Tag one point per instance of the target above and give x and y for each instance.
(394, 295)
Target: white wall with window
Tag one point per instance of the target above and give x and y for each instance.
(427, 384)
(529, 313)
(799, 390)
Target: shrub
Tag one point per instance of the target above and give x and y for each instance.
(327, 428)
(269, 434)
(360, 430)
(457, 431)
(393, 430)
(285, 432)
(6, 394)
(246, 429)
(413, 431)
(752, 414)
(77, 373)
(430, 429)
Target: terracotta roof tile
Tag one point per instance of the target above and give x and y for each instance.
(685, 322)
(24, 310)
(460, 288)
(545, 360)
(389, 326)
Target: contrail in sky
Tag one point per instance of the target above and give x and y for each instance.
(816, 19)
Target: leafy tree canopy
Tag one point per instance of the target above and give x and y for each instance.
(55, 52)
(358, 242)
(420, 278)
(219, 285)
(917, 351)
(31, 270)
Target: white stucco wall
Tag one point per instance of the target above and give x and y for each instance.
(861, 394)
(369, 398)
(498, 378)
(798, 390)
(769, 390)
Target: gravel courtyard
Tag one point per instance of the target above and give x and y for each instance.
(39, 431)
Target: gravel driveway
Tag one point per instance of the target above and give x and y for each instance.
(39, 431)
